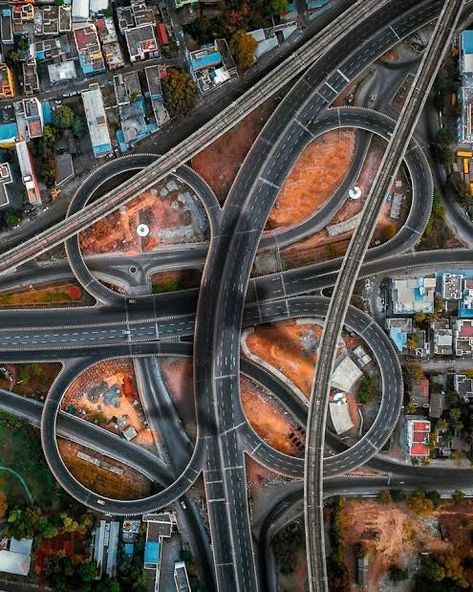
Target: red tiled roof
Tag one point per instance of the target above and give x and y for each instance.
(469, 284)
(466, 331)
(418, 449)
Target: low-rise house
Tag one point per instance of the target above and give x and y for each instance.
(452, 286)
(29, 118)
(88, 47)
(399, 330)
(212, 65)
(417, 344)
(28, 174)
(417, 437)
(5, 179)
(15, 556)
(7, 88)
(413, 295)
(466, 305)
(153, 78)
(109, 40)
(62, 72)
(6, 25)
(181, 578)
(463, 337)
(30, 77)
(420, 392)
(141, 42)
(437, 404)
(97, 121)
(463, 386)
(442, 337)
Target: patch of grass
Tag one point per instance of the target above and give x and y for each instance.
(20, 449)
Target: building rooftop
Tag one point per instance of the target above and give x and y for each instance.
(141, 42)
(90, 55)
(62, 71)
(420, 392)
(17, 559)
(28, 173)
(97, 121)
(418, 436)
(5, 179)
(412, 295)
(452, 286)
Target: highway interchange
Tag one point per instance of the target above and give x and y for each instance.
(229, 300)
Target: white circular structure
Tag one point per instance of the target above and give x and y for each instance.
(142, 230)
(354, 193)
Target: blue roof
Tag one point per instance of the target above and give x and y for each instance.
(467, 38)
(40, 55)
(399, 338)
(311, 4)
(47, 112)
(128, 549)
(102, 148)
(152, 552)
(8, 131)
(211, 59)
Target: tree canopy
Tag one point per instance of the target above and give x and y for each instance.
(179, 92)
(243, 47)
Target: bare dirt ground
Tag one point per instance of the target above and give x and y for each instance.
(178, 378)
(220, 162)
(170, 210)
(107, 394)
(297, 581)
(29, 380)
(258, 477)
(323, 247)
(289, 347)
(268, 418)
(318, 171)
(394, 535)
(109, 478)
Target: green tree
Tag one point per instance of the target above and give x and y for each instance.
(279, 6)
(366, 390)
(63, 117)
(49, 136)
(179, 92)
(78, 126)
(397, 574)
(243, 47)
(88, 571)
(23, 44)
(12, 218)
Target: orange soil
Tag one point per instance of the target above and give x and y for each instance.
(267, 417)
(280, 346)
(128, 485)
(320, 246)
(113, 372)
(319, 170)
(117, 231)
(399, 533)
(178, 378)
(229, 151)
(70, 293)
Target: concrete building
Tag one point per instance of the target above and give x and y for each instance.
(466, 306)
(6, 25)
(109, 40)
(399, 330)
(62, 72)
(141, 42)
(465, 94)
(153, 78)
(29, 118)
(180, 577)
(452, 286)
(15, 556)
(88, 47)
(413, 295)
(212, 65)
(7, 88)
(106, 538)
(80, 11)
(443, 342)
(437, 404)
(463, 337)
(97, 121)
(417, 437)
(28, 174)
(463, 387)
(5, 179)
(30, 77)
(420, 392)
